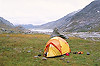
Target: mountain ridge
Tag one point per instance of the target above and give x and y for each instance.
(4, 21)
(87, 19)
(8, 27)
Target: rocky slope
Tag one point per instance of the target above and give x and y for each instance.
(7, 27)
(87, 19)
(58, 23)
(5, 24)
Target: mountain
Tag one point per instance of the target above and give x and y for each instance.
(58, 23)
(5, 24)
(51, 25)
(87, 19)
(29, 26)
(7, 27)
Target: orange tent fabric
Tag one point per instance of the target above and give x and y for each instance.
(56, 46)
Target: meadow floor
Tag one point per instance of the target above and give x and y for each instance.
(20, 49)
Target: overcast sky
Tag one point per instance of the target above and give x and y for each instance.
(38, 12)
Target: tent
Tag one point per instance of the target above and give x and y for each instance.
(56, 46)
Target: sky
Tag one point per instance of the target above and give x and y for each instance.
(38, 12)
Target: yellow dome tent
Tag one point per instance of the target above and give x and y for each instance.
(56, 46)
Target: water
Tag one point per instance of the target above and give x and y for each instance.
(41, 30)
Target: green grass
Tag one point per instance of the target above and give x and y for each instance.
(14, 51)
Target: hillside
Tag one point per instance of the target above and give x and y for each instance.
(5, 24)
(51, 25)
(87, 19)
(58, 23)
(8, 27)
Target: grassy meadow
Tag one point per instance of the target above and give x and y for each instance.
(20, 49)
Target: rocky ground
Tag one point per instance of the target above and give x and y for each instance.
(95, 36)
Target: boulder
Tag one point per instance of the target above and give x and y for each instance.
(36, 56)
(88, 53)
(44, 58)
(29, 51)
(67, 61)
(57, 32)
(62, 58)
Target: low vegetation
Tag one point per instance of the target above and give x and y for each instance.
(20, 49)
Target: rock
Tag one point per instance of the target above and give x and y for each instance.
(29, 51)
(36, 56)
(62, 58)
(44, 58)
(88, 53)
(57, 32)
(67, 61)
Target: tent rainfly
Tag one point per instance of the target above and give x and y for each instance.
(56, 46)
